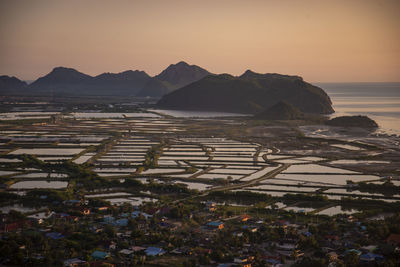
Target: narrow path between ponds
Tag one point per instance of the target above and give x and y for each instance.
(255, 181)
(268, 175)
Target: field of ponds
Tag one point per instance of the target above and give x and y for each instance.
(164, 149)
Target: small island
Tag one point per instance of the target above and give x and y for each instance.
(352, 121)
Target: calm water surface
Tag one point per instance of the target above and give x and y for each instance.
(380, 101)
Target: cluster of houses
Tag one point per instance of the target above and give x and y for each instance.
(335, 245)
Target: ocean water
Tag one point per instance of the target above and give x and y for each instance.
(379, 101)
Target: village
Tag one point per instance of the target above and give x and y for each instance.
(95, 233)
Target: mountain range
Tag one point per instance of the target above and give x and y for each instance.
(67, 81)
(185, 87)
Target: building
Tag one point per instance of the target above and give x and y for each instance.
(154, 251)
(215, 225)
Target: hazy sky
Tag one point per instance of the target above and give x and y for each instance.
(321, 40)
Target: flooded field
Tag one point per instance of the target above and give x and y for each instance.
(42, 175)
(17, 207)
(39, 184)
(313, 168)
(47, 151)
(137, 145)
(332, 211)
(102, 115)
(134, 201)
(195, 114)
(336, 179)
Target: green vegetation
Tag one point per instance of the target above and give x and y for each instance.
(386, 188)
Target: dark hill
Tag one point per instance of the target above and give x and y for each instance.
(180, 74)
(67, 81)
(353, 121)
(249, 93)
(9, 85)
(280, 111)
(61, 75)
(60, 80)
(123, 83)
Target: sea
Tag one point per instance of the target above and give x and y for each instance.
(379, 101)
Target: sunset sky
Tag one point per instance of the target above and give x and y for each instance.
(323, 41)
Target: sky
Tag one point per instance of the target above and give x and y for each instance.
(322, 41)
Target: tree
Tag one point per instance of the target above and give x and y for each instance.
(351, 259)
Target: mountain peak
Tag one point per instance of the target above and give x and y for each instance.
(63, 69)
(60, 75)
(181, 63)
(249, 71)
(181, 74)
(249, 74)
(10, 84)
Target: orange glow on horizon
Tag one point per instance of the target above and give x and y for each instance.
(323, 41)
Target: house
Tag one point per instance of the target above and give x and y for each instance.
(137, 248)
(371, 257)
(287, 246)
(54, 235)
(100, 255)
(152, 211)
(8, 227)
(120, 223)
(307, 234)
(273, 262)
(210, 206)
(154, 251)
(85, 211)
(126, 252)
(351, 218)
(252, 229)
(74, 262)
(72, 202)
(244, 218)
(182, 250)
(112, 245)
(66, 216)
(215, 225)
(108, 219)
(356, 251)
(369, 248)
(281, 223)
(332, 256)
(39, 217)
(244, 259)
(136, 214)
